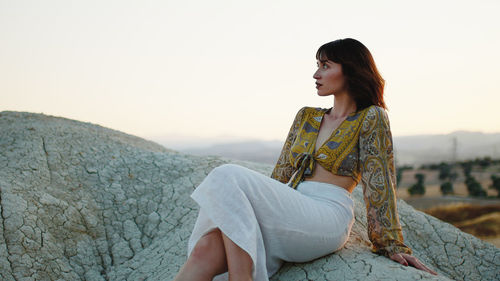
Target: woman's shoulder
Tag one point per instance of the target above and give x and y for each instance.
(375, 117)
(375, 109)
(375, 112)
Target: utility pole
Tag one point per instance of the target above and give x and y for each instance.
(454, 156)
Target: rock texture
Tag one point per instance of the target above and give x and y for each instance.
(82, 202)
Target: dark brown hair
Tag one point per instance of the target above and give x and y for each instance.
(363, 81)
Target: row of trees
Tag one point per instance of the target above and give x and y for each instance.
(482, 163)
(448, 176)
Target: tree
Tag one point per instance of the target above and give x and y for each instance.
(444, 171)
(399, 176)
(418, 187)
(484, 162)
(453, 176)
(447, 188)
(467, 166)
(474, 187)
(495, 184)
(399, 173)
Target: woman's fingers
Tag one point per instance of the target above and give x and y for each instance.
(406, 259)
(418, 264)
(399, 258)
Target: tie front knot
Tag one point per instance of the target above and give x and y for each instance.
(304, 163)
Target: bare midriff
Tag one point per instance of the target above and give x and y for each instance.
(320, 174)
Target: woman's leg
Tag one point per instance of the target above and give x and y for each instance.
(230, 198)
(207, 259)
(238, 261)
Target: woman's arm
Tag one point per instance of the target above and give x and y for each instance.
(378, 180)
(283, 169)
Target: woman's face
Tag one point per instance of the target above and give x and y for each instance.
(329, 78)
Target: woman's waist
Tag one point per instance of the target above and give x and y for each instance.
(324, 176)
(326, 192)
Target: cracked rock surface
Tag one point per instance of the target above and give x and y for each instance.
(82, 202)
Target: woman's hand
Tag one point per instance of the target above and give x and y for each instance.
(406, 259)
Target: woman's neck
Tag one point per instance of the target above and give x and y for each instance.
(343, 105)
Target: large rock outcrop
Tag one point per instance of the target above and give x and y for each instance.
(82, 202)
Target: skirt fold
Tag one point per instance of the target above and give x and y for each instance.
(272, 222)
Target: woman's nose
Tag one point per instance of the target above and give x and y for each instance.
(316, 74)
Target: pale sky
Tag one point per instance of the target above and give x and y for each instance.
(208, 69)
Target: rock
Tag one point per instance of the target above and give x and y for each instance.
(79, 201)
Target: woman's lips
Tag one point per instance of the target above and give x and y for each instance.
(318, 85)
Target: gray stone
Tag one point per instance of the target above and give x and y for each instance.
(82, 202)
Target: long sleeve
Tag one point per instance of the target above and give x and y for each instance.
(283, 169)
(378, 181)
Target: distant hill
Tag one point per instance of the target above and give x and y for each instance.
(255, 151)
(413, 150)
(435, 148)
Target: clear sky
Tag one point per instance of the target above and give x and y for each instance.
(209, 69)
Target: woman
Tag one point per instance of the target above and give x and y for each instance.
(249, 224)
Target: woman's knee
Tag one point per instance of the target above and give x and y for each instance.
(208, 245)
(205, 245)
(227, 170)
(228, 167)
(208, 252)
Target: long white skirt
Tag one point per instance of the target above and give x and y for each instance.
(271, 221)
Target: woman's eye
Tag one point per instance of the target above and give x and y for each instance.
(324, 66)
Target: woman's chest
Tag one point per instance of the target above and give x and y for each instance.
(326, 129)
(326, 139)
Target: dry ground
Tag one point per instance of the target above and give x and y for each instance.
(480, 221)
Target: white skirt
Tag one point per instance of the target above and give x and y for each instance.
(271, 221)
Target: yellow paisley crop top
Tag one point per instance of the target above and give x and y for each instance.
(361, 147)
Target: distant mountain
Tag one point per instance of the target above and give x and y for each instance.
(459, 145)
(255, 151)
(411, 150)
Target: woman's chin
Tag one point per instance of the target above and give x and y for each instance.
(322, 94)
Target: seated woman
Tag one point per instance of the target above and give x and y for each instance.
(249, 224)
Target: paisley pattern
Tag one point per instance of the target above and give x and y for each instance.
(283, 170)
(337, 154)
(378, 179)
(361, 147)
